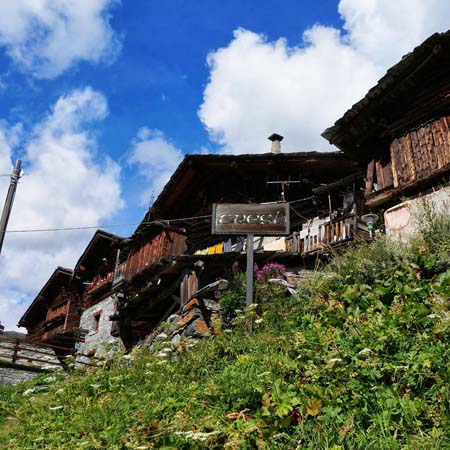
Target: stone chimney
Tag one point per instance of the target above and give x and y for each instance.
(276, 143)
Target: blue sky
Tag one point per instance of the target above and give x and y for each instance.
(101, 99)
(158, 78)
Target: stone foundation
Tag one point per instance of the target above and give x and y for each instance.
(98, 341)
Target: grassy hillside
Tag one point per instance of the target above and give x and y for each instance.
(359, 359)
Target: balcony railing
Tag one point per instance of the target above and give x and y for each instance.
(119, 274)
(329, 234)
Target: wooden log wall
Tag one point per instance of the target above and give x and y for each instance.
(62, 316)
(165, 244)
(417, 154)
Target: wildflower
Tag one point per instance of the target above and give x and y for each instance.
(196, 436)
(56, 408)
(258, 321)
(163, 361)
(162, 354)
(365, 351)
(28, 392)
(162, 336)
(434, 316)
(59, 391)
(49, 379)
(334, 360)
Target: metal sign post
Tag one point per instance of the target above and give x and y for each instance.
(267, 219)
(249, 292)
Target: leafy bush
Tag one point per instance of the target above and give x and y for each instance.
(365, 263)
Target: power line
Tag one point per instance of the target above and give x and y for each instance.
(154, 222)
(124, 225)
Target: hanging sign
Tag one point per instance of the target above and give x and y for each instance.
(260, 219)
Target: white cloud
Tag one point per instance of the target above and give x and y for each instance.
(155, 158)
(66, 183)
(257, 87)
(47, 37)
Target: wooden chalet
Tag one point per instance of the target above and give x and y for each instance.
(54, 315)
(94, 273)
(401, 129)
(95, 268)
(173, 253)
(202, 180)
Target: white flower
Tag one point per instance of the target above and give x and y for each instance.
(162, 362)
(162, 336)
(258, 321)
(49, 379)
(334, 360)
(167, 349)
(59, 391)
(162, 354)
(434, 316)
(365, 351)
(196, 436)
(28, 392)
(95, 385)
(55, 408)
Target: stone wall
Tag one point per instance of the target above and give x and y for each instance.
(14, 375)
(24, 362)
(98, 341)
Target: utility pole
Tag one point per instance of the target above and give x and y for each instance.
(9, 201)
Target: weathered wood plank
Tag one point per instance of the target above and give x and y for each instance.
(387, 175)
(394, 162)
(370, 175)
(380, 176)
(410, 173)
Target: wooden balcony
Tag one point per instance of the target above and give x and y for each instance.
(55, 312)
(164, 245)
(329, 234)
(52, 332)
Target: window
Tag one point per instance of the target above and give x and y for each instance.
(97, 320)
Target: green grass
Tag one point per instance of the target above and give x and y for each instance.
(359, 359)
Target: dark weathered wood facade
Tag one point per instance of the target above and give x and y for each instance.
(401, 129)
(144, 253)
(94, 271)
(53, 316)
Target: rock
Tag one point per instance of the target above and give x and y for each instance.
(176, 340)
(197, 329)
(289, 286)
(211, 305)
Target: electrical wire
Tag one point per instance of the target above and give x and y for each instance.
(153, 222)
(123, 225)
